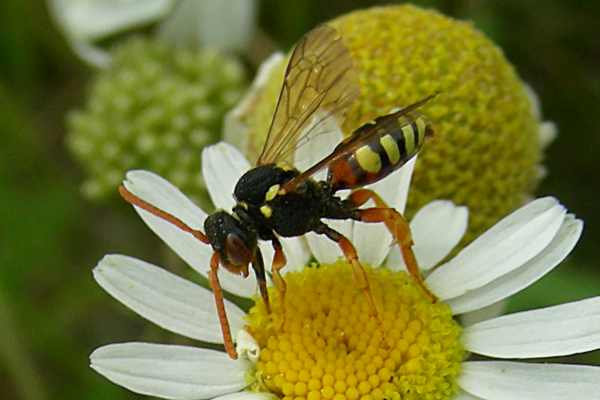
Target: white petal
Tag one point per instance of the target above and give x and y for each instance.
(548, 133)
(266, 249)
(246, 346)
(505, 247)
(83, 22)
(395, 262)
(222, 24)
(170, 372)
(432, 244)
(483, 314)
(548, 332)
(534, 101)
(162, 194)
(222, 167)
(100, 18)
(462, 395)
(548, 130)
(322, 137)
(397, 194)
(436, 229)
(541, 172)
(227, 25)
(93, 55)
(324, 249)
(296, 252)
(517, 280)
(500, 380)
(248, 396)
(167, 300)
(373, 241)
(235, 130)
(159, 192)
(267, 252)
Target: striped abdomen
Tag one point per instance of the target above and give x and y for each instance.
(395, 141)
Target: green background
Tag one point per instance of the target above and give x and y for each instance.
(52, 314)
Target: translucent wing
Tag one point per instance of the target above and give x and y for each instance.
(319, 77)
(380, 127)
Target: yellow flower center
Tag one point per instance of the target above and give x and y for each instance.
(327, 345)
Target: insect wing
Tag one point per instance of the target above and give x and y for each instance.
(320, 84)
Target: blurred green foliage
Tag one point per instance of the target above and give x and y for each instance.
(51, 312)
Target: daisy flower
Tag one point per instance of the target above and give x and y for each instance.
(329, 347)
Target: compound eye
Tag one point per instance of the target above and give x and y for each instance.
(237, 251)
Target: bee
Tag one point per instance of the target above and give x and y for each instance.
(274, 200)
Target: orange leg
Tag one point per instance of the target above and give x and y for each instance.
(259, 270)
(398, 227)
(277, 265)
(360, 275)
(136, 201)
(279, 262)
(214, 263)
(216, 288)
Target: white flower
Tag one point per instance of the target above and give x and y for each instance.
(512, 255)
(87, 21)
(222, 24)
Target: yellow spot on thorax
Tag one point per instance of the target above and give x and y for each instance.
(368, 159)
(330, 347)
(272, 192)
(391, 148)
(266, 211)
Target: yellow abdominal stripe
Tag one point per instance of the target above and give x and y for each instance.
(368, 159)
(421, 126)
(409, 139)
(391, 148)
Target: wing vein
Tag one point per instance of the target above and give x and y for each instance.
(319, 79)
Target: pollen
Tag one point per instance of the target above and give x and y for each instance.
(323, 343)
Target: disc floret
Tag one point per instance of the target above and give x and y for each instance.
(327, 345)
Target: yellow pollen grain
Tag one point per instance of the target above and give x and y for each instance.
(329, 347)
